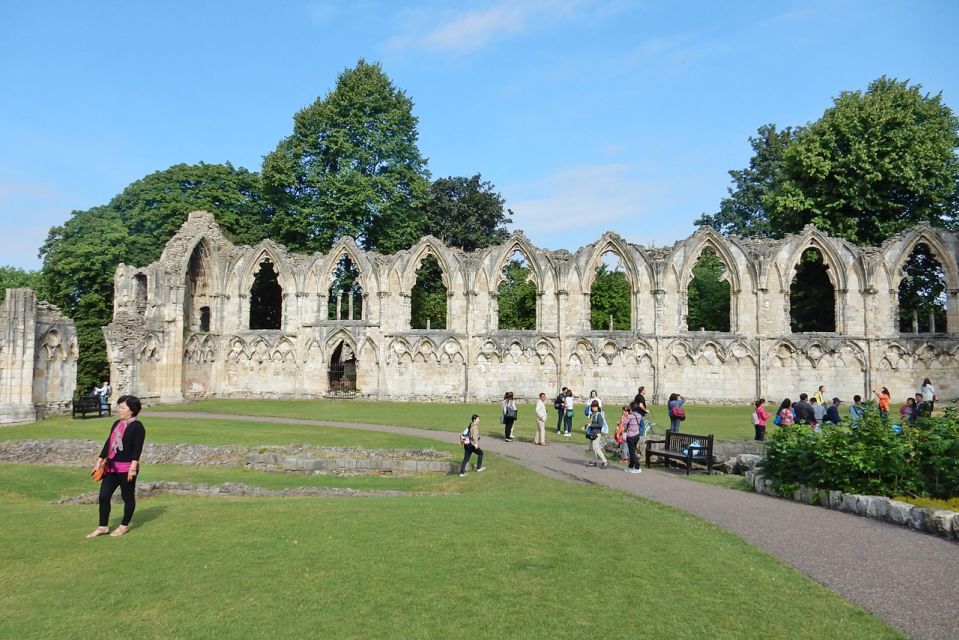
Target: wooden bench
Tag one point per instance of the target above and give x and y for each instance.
(89, 404)
(681, 447)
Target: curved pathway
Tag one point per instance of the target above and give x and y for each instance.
(909, 579)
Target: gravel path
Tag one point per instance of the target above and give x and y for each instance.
(909, 579)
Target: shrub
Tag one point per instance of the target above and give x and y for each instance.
(869, 456)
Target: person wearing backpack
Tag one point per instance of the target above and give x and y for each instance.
(676, 411)
(594, 432)
(470, 441)
(509, 416)
(760, 416)
(560, 405)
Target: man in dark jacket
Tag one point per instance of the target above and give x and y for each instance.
(803, 410)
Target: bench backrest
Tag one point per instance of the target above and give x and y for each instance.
(678, 442)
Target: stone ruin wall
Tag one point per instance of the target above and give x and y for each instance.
(157, 350)
(38, 358)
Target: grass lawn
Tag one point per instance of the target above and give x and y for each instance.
(725, 422)
(506, 553)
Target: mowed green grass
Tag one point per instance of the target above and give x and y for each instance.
(725, 422)
(503, 554)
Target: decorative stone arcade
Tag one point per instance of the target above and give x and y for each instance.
(182, 325)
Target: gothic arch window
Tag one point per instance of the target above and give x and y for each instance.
(345, 300)
(812, 296)
(199, 285)
(516, 295)
(140, 295)
(342, 371)
(428, 296)
(708, 296)
(922, 293)
(266, 298)
(610, 302)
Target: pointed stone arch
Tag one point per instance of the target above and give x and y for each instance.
(612, 243)
(947, 258)
(516, 244)
(201, 281)
(427, 246)
(344, 248)
(813, 238)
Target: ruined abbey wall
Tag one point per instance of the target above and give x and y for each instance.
(181, 325)
(38, 358)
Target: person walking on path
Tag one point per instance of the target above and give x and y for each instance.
(760, 416)
(928, 394)
(884, 399)
(509, 416)
(633, 432)
(621, 436)
(540, 436)
(121, 457)
(676, 412)
(597, 425)
(471, 446)
(568, 414)
(560, 405)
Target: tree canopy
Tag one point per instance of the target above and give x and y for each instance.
(517, 296)
(609, 297)
(81, 256)
(15, 278)
(466, 213)
(707, 296)
(350, 167)
(875, 163)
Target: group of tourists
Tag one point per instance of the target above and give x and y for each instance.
(814, 412)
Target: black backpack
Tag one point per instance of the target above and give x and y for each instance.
(560, 402)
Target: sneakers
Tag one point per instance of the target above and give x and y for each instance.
(481, 469)
(567, 435)
(590, 464)
(462, 475)
(634, 470)
(605, 464)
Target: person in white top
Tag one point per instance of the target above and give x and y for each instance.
(928, 393)
(540, 436)
(568, 418)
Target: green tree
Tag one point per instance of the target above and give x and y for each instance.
(466, 212)
(609, 296)
(80, 257)
(812, 298)
(877, 162)
(350, 167)
(16, 278)
(517, 297)
(922, 291)
(708, 295)
(428, 297)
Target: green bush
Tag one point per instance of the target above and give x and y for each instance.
(869, 456)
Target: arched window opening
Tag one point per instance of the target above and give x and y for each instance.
(205, 319)
(812, 298)
(342, 372)
(517, 295)
(922, 293)
(199, 286)
(266, 298)
(609, 298)
(428, 297)
(140, 296)
(707, 296)
(345, 300)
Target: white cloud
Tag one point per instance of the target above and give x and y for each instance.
(575, 205)
(475, 29)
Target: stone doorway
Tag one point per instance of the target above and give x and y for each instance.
(342, 372)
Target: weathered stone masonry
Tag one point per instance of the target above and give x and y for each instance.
(181, 324)
(38, 358)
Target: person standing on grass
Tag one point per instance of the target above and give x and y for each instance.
(509, 416)
(621, 435)
(856, 410)
(568, 416)
(121, 457)
(540, 436)
(675, 403)
(597, 422)
(832, 413)
(785, 413)
(760, 416)
(633, 432)
(593, 395)
(818, 412)
(884, 398)
(928, 394)
(907, 412)
(560, 405)
(803, 411)
(640, 401)
(820, 395)
(471, 446)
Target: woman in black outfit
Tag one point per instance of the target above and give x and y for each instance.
(121, 455)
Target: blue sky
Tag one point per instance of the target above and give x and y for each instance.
(587, 115)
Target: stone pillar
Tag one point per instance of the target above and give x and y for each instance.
(339, 305)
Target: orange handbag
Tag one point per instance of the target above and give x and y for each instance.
(99, 472)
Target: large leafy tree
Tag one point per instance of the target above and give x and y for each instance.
(350, 167)
(877, 162)
(466, 212)
(81, 256)
(14, 278)
(517, 297)
(708, 295)
(609, 297)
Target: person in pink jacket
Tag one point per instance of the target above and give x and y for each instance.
(760, 416)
